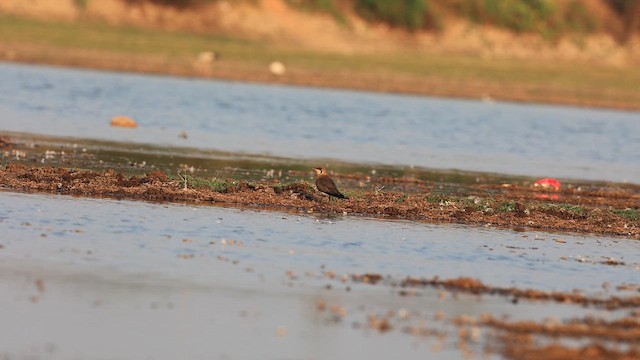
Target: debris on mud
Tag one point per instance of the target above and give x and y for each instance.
(523, 347)
(547, 183)
(476, 287)
(597, 337)
(583, 211)
(626, 329)
(123, 121)
(5, 141)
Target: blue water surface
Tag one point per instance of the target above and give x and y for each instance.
(297, 122)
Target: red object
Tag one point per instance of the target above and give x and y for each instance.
(548, 183)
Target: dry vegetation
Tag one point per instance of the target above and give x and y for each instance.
(567, 29)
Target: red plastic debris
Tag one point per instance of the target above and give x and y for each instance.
(548, 183)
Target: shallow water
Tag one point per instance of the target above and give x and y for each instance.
(295, 122)
(129, 280)
(100, 278)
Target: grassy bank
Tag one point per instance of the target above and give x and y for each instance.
(102, 46)
(549, 18)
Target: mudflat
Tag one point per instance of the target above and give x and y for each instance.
(599, 209)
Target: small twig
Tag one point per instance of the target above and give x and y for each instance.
(378, 190)
(184, 178)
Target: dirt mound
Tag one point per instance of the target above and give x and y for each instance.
(497, 210)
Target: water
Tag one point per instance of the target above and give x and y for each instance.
(296, 122)
(131, 234)
(99, 278)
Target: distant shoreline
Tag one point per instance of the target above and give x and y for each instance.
(94, 45)
(370, 82)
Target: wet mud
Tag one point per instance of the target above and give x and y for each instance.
(597, 210)
(476, 287)
(585, 337)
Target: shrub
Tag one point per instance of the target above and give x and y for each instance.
(518, 15)
(327, 6)
(180, 4)
(409, 14)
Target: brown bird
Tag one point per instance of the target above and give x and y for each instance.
(325, 184)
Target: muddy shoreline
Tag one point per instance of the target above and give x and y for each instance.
(595, 210)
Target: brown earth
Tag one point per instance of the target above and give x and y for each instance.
(527, 351)
(597, 210)
(518, 339)
(476, 287)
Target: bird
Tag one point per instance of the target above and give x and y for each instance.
(325, 184)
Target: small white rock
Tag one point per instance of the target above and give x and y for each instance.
(277, 68)
(206, 57)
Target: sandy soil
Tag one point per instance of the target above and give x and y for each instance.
(579, 210)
